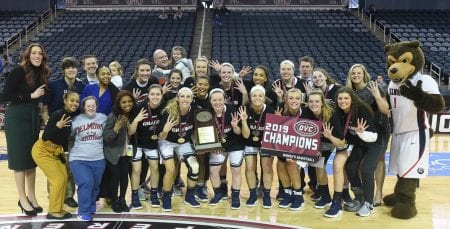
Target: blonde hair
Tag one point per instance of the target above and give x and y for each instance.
(172, 107)
(366, 78)
(226, 65)
(326, 110)
(292, 91)
(329, 80)
(288, 62)
(118, 66)
(201, 59)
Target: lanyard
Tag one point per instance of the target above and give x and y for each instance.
(260, 117)
(180, 129)
(221, 125)
(151, 119)
(347, 122)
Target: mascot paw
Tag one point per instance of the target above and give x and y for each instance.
(390, 200)
(403, 211)
(410, 91)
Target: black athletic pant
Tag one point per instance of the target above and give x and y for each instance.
(364, 158)
(119, 177)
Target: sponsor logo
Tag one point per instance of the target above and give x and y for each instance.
(306, 129)
(420, 170)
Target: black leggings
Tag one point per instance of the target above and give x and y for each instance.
(364, 158)
(119, 175)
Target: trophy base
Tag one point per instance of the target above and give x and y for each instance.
(206, 148)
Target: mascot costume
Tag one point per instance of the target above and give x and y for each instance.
(412, 97)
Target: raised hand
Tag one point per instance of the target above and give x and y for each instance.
(40, 91)
(240, 86)
(215, 64)
(235, 119)
(279, 111)
(327, 130)
(276, 87)
(308, 87)
(194, 90)
(245, 71)
(243, 113)
(63, 122)
(121, 121)
(373, 88)
(136, 93)
(141, 115)
(166, 88)
(171, 122)
(361, 125)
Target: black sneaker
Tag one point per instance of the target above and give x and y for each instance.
(235, 202)
(297, 202)
(315, 196)
(252, 199)
(334, 211)
(167, 201)
(116, 206)
(346, 198)
(323, 202)
(123, 205)
(154, 201)
(267, 202)
(71, 202)
(135, 202)
(199, 193)
(224, 189)
(286, 201)
(190, 199)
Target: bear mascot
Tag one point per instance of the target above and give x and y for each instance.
(412, 96)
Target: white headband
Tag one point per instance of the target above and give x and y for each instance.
(227, 65)
(184, 89)
(258, 87)
(216, 90)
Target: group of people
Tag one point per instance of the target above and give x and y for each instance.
(102, 132)
(170, 13)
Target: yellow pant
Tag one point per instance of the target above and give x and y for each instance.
(45, 154)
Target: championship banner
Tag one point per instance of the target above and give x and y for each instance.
(292, 138)
(440, 123)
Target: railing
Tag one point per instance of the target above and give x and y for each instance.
(85, 3)
(22, 36)
(435, 70)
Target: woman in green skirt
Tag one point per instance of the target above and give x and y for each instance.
(24, 89)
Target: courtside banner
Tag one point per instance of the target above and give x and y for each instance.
(291, 137)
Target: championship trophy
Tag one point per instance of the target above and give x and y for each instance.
(206, 136)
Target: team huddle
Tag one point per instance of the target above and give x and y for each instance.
(102, 132)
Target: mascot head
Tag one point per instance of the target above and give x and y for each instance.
(404, 59)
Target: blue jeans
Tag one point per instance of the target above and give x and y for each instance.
(87, 175)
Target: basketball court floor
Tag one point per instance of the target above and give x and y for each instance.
(433, 204)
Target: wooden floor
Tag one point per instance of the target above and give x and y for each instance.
(433, 202)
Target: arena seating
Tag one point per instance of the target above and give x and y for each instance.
(121, 35)
(431, 27)
(335, 39)
(14, 22)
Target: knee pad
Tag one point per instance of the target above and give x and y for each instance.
(192, 166)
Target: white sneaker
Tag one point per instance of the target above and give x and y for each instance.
(365, 210)
(142, 194)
